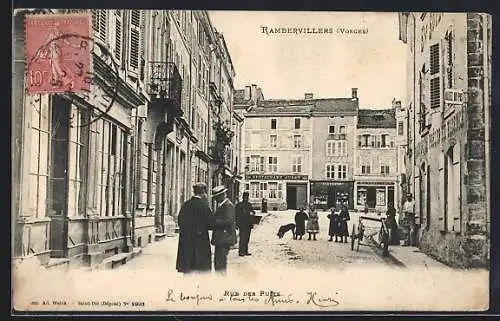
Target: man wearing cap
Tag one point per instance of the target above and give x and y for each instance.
(224, 232)
(194, 252)
(244, 222)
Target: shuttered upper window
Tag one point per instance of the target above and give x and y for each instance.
(118, 34)
(100, 23)
(434, 59)
(134, 58)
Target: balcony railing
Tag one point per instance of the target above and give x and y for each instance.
(165, 82)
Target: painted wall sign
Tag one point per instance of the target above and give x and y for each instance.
(276, 177)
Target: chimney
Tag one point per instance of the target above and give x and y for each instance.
(247, 93)
(253, 92)
(354, 93)
(308, 96)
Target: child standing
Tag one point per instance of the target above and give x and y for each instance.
(312, 223)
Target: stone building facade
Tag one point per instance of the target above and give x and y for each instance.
(334, 130)
(87, 185)
(375, 165)
(277, 152)
(448, 101)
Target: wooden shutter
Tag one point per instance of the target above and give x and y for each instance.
(118, 34)
(435, 63)
(100, 23)
(262, 163)
(135, 48)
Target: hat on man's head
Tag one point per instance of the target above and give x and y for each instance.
(218, 190)
(199, 188)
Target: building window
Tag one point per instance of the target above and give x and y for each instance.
(273, 141)
(297, 123)
(69, 158)
(255, 163)
(342, 171)
(383, 139)
(273, 123)
(297, 141)
(342, 130)
(331, 129)
(274, 193)
(39, 158)
(364, 140)
(449, 59)
(452, 189)
(254, 190)
(342, 148)
(384, 169)
(263, 190)
(400, 128)
(365, 169)
(330, 171)
(296, 164)
(330, 148)
(273, 164)
(435, 81)
(100, 23)
(118, 16)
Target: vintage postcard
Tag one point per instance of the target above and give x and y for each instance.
(176, 160)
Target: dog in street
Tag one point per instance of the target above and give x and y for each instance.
(285, 228)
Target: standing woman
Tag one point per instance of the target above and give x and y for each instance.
(300, 223)
(333, 227)
(312, 223)
(344, 217)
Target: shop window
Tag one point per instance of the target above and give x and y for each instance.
(273, 190)
(39, 157)
(263, 190)
(380, 200)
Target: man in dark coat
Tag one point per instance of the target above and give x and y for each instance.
(344, 217)
(300, 223)
(194, 252)
(224, 232)
(244, 222)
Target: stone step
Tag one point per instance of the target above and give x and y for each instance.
(57, 263)
(119, 259)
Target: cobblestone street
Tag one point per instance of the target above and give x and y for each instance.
(361, 280)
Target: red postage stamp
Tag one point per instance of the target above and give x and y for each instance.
(59, 53)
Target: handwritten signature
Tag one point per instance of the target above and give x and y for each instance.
(321, 301)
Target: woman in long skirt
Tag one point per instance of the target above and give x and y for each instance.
(313, 223)
(344, 217)
(333, 228)
(300, 223)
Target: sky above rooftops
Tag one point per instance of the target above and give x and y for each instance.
(328, 65)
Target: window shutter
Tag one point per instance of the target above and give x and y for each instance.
(262, 161)
(135, 47)
(117, 36)
(100, 23)
(442, 186)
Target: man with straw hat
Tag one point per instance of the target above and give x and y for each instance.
(224, 232)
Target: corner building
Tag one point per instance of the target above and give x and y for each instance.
(448, 158)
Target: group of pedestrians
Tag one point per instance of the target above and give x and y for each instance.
(337, 227)
(196, 219)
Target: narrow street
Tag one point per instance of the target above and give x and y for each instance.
(361, 280)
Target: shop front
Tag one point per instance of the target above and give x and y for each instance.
(281, 192)
(325, 194)
(376, 196)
